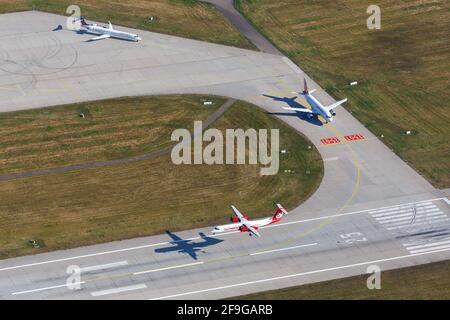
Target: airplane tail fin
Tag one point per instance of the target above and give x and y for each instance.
(83, 22)
(279, 213)
(305, 87)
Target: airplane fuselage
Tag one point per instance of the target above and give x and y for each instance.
(236, 226)
(317, 108)
(112, 33)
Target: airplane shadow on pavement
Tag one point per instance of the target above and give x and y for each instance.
(293, 104)
(188, 246)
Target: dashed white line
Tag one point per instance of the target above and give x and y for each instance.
(104, 292)
(283, 249)
(118, 290)
(169, 268)
(47, 288)
(104, 266)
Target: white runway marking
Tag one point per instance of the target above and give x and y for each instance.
(419, 203)
(83, 282)
(446, 247)
(118, 290)
(403, 211)
(428, 245)
(296, 275)
(421, 223)
(330, 159)
(401, 208)
(446, 201)
(46, 288)
(88, 255)
(388, 218)
(413, 218)
(283, 249)
(104, 266)
(169, 268)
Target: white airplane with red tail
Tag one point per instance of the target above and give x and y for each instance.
(243, 223)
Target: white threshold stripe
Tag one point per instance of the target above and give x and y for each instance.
(431, 244)
(196, 238)
(417, 224)
(169, 268)
(104, 266)
(47, 288)
(402, 206)
(118, 290)
(430, 216)
(298, 274)
(409, 209)
(442, 248)
(421, 241)
(422, 219)
(283, 249)
(405, 213)
(446, 201)
(411, 216)
(408, 213)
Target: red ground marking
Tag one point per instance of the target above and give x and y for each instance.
(331, 140)
(354, 137)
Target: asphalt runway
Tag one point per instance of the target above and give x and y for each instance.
(371, 207)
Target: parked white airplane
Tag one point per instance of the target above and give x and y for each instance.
(317, 108)
(107, 32)
(243, 224)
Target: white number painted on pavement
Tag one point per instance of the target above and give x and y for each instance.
(352, 237)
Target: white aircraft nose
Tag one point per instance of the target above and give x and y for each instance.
(138, 38)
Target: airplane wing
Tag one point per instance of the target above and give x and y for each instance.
(252, 230)
(103, 36)
(298, 109)
(238, 214)
(334, 105)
